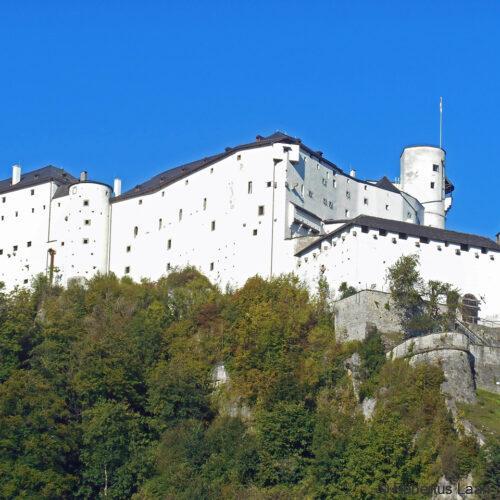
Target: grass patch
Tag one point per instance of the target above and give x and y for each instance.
(485, 415)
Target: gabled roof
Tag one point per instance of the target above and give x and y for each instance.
(386, 184)
(169, 176)
(417, 230)
(37, 177)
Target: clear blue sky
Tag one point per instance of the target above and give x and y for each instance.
(133, 88)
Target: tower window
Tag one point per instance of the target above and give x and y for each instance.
(435, 168)
(432, 185)
(268, 184)
(260, 210)
(249, 187)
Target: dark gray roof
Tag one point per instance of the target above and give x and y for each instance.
(39, 176)
(386, 184)
(394, 226)
(169, 176)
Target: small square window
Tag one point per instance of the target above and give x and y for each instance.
(238, 157)
(268, 184)
(32, 192)
(87, 222)
(85, 241)
(382, 232)
(255, 232)
(28, 244)
(403, 236)
(261, 210)
(457, 252)
(424, 239)
(346, 213)
(310, 193)
(364, 229)
(464, 248)
(435, 168)
(85, 203)
(62, 243)
(25, 281)
(484, 250)
(14, 248)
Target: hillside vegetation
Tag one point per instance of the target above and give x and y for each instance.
(107, 390)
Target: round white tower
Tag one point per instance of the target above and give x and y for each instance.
(423, 176)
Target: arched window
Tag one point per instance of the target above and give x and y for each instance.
(470, 309)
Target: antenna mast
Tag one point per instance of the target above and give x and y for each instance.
(440, 122)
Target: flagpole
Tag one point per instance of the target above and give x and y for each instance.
(440, 122)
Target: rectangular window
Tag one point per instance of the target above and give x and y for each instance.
(160, 223)
(128, 248)
(365, 201)
(85, 203)
(87, 222)
(127, 269)
(180, 214)
(424, 239)
(204, 203)
(32, 210)
(403, 236)
(14, 248)
(432, 185)
(260, 210)
(268, 184)
(238, 157)
(435, 168)
(3, 199)
(140, 202)
(255, 232)
(382, 232)
(32, 192)
(346, 213)
(211, 266)
(169, 244)
(387, 207)
(28, 244)
(249, 188)
(212, 225)
(168, 266)
(1, 251)
(85, 241)
(364, 229)
(464, 248)
(348, 195)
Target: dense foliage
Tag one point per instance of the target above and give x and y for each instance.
(422, 306)
(108, 389)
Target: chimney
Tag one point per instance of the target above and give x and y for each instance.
(352, 173)
(117, 187)
(84, 176)
(16, 174)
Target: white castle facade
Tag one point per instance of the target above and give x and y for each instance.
(268, 207)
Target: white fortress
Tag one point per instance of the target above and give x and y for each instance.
(268, 207)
